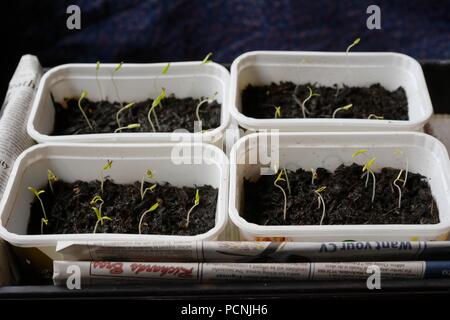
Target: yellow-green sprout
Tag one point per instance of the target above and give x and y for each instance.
(130, 126)
(207, 59)
(156, 103)
(97, 69)
(320, 201)
(197, 108)
(128, 106)
(275, 183)
(165, 69)
(398, 187)
(345, 108)
(51, 177)
(37, 194)
(357, 40)
(196, 203)
(116, 69)
(83, 95)
(368, 170)
(97, 200)
(277, 112)
(375, 117)
(148, 174)
(106, 167)
(302, 104)
(152, 208)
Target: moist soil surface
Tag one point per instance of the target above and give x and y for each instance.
(69, 210)
(173, 113)
(347, 200)
(259, 101)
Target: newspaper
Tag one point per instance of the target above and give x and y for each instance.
(15, 111)
(248, 251)
(100, 272)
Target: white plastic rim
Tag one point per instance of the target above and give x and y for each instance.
(426, 155)
(72, 162)
(328, 68)
(135, 82)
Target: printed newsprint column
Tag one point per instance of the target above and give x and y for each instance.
(16, 108)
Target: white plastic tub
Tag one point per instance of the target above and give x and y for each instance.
(83, 162)
(135, 82)
(357, 69)
(426, 155)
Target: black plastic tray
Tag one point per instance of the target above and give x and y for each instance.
(437, 74)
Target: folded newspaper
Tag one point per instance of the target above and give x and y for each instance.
(248, 251)
(101, 272)
(15, 111)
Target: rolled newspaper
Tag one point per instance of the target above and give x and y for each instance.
(251, 252)
(15, 111)
(99, 272)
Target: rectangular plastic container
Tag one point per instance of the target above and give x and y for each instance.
(72, 162)
(355, 69)
(135, 82)
(426, 155)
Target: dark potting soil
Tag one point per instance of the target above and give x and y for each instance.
(69, 210)
(347, 200)
(173, 114)
(259, 101)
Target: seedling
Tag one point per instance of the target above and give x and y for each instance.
(106, 167)
(357, 40)
(37, 194)
(275, 183)
(196, 203)
(358, 153)
(83, 95)
(156, 103)
(152, 208)
(98, 211)
(165, 69)
(130, 126)
(128, 106)
(302, 104)
(197, 109)
(398, 187)
(97, 69)
(51, 177)
(116, 69)
(148, 174)
(367, 169)
(207, 58)
(345, 108)
(277, 112)
(313, 175)
(320, 201)
(375, 117)
(399, 152)
(287, 180)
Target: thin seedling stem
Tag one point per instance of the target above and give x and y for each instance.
(128, 106)
(152, 208)
(100, 91)
(84, 95)
(196, 203)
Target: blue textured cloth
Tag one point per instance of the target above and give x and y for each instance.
(153, 30)
(177, 30)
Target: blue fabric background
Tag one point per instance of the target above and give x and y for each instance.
(156, 30)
